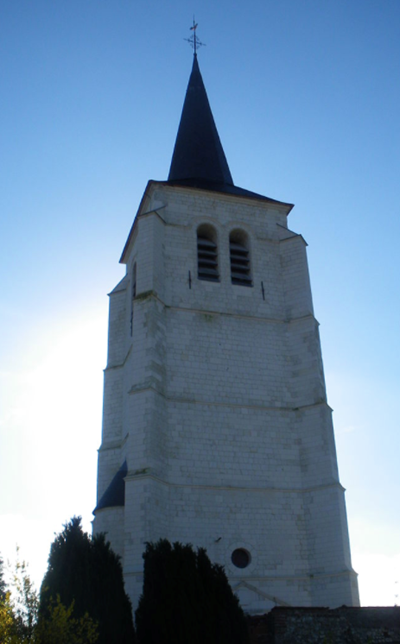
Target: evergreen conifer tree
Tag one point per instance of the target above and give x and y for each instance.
(85, 571)
(186, 598)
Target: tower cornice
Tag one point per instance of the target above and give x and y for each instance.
(234, 192)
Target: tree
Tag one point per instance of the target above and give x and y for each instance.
(19, 604)
(186, 598)
(2, 581)
(7, 621)
(83, 570)
(24, 601)
(61, 627)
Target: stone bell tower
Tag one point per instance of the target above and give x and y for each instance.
(216, 427)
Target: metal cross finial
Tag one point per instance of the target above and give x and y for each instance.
(193, 40)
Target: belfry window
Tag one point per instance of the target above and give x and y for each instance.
(240, 258)
(207, 254)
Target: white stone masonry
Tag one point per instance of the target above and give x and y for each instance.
(214, 395)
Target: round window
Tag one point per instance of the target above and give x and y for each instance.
(240, 558)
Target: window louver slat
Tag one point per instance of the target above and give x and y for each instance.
(207, 262)
(208, 273)
(240, 277)
(244, 270)
(238, 247)
(244, 261)
(206, 243)
(206, 253)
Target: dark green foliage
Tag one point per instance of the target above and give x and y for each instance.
(86, 571)
(186, 599)
(2, 582)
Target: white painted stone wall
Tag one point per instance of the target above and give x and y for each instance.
(217, 401)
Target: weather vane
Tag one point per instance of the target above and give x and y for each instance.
(193, 40)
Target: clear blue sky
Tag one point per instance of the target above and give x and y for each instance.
(306, 99)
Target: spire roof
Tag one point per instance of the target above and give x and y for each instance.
(198, 154)
(114, 495)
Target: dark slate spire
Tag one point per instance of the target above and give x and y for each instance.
(198, 155)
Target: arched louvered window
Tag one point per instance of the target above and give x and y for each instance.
(240, 258)
(207, 254)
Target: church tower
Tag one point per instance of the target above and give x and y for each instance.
(216, 427)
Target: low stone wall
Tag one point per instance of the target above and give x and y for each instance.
(376, 625)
